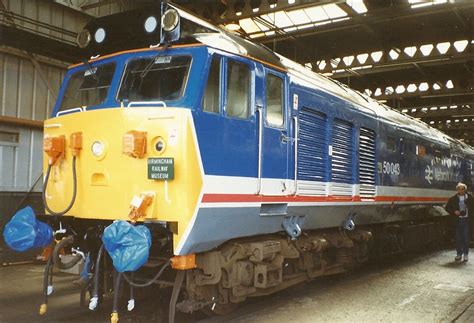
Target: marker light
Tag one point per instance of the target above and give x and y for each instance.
(170, 19)
(150, 24)
(83, 38)
(98, 148)
(99, 35)
(160, 145)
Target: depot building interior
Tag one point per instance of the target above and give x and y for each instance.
(416, 56)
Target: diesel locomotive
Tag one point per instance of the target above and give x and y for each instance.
(251, 172)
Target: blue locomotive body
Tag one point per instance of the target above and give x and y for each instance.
(280, 141)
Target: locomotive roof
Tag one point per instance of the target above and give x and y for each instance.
(227, 41)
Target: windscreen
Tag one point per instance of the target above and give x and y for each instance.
(160, 78)
(88, 87)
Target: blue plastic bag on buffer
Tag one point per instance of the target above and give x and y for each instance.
(24, 231)
(127, 245)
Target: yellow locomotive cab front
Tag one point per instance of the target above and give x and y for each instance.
(138, 164)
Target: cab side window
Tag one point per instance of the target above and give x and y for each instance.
(210, 101)
(274, 96)
(238, 90)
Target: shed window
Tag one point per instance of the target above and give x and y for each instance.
(9, 137)
(210, 101)
(238, 90)
(274, 112)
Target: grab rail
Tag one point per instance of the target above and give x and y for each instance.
(260, 140)
(296, 130)
(130, 104)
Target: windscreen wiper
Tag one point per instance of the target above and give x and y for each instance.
(90, 69)
(152, 62)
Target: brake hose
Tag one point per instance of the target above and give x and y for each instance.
(151, 281)
(95, 291)
(56, 255)
(47, 285)
(45, 185)
(114, 317)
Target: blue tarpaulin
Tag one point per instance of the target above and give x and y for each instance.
(127, 245)
(24, 231)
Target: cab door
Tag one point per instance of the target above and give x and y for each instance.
(274, 137)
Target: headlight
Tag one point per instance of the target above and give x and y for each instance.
(98, 148)
(150, 24)
(99, 35)
(83, 38)
(170, 19)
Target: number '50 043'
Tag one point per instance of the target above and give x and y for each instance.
(391, 168)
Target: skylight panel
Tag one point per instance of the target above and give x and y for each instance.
(316, 13)
(424, 3)
(248, 25)
(270, 18)
(334, 11)
(426, 49)
(282, 20)
(298, 17)
(261, 26)
(443, 47)
(357, 5)
(423, 87)
(460, 45)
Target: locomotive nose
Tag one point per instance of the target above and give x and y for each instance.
(141, 164)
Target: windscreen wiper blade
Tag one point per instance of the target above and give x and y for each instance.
(90, 69)
(152, 62)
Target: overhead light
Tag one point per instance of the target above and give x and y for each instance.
(233, 26)
(170, 19)
(83, 38)
(99, 35)
(150, 24)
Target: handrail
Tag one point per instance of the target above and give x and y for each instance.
(296, 131)
(260, 142)
(68, 111)
(130, 104)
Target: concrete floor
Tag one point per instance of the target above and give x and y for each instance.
(429, 288)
